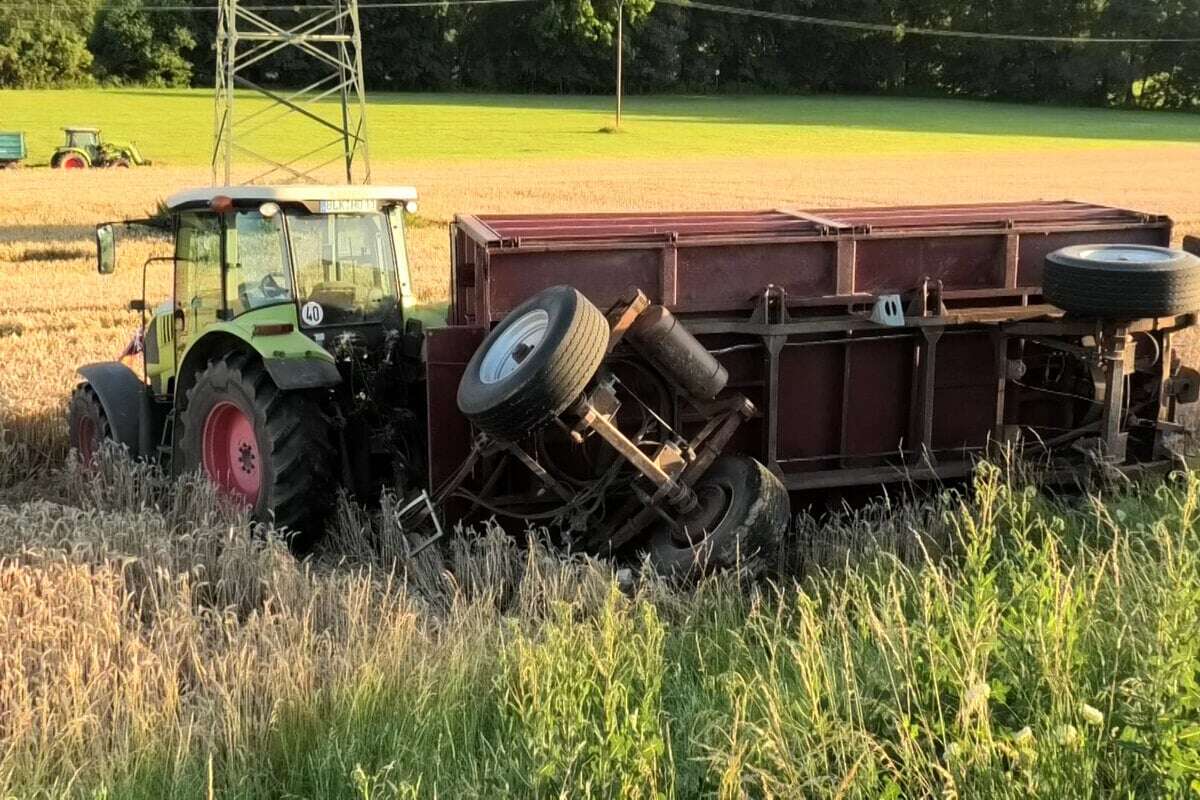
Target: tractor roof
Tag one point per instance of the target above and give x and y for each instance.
(81, 129)
(291, 194)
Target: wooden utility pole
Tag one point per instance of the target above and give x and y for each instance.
(620, 50)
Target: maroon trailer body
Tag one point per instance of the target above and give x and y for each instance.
(875, 344)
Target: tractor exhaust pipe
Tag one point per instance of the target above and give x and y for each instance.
(663, 339)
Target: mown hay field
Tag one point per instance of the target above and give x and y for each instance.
(991, 641)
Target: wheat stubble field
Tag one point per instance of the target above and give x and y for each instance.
(986, 641)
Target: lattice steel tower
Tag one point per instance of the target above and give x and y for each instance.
(334, 106)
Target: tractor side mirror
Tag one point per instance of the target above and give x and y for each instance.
(106, 249)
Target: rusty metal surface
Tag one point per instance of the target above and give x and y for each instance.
(783, 297)
(706, 262)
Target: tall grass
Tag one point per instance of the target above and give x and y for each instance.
(1007, 643)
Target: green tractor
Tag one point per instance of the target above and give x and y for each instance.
(84, 149)
(284, 363)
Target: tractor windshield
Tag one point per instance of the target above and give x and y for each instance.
(345, 267)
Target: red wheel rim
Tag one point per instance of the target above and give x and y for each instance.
(230, 453)
(73, 162)
(87, 440)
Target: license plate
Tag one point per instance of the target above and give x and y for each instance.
(346, 206)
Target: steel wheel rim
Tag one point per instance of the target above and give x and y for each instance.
(1127, 254)
(229, 453)
(513, 346)
(713, 505)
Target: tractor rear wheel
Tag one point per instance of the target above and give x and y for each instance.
(72, 161)
(269, 450)
(87, 424)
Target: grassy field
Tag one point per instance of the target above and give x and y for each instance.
(176, 127)
(997, 641)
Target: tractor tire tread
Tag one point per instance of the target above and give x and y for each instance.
(295, 433)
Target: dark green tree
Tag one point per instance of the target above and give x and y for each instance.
(45, 47)
(131, 45)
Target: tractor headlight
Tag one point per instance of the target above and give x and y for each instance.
(410, 206)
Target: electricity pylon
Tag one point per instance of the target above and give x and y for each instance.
(334, 106)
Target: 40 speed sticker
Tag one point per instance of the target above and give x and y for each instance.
(312, 314)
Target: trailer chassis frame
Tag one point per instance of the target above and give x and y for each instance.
(928, 321)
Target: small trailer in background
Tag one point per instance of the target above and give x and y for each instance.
(652, 384)
(12, 148)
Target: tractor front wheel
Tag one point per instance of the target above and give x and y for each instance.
(269, 450)
(87, 424)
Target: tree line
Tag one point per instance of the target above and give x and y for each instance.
(567, 46)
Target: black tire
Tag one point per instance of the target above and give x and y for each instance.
(1122, 281)
(87, 424)
(752, 514)
(294, 442)
(548, 378)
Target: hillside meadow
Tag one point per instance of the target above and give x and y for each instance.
(985, 640)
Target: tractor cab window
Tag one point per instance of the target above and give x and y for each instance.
(345, 267)
(198, 301)
(257, 267)
(83, 139)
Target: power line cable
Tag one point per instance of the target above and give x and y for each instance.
(879, 27)
(288, 7)
(803, 19)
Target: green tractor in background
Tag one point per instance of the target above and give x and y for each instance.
(283, 365)
(84, 149)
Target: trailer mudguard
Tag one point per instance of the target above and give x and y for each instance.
(124, 398)
(302, 373)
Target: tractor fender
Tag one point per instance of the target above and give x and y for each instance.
(293, 360)
(302, 373)
(124, 398)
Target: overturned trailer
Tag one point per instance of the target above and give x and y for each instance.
(653, 384)
(844, 347)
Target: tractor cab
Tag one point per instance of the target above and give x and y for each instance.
(86, 139)
(294, 272)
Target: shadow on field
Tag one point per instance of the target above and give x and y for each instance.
(54, 253)
(56, 234)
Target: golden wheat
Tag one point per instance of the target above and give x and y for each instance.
(56, 313)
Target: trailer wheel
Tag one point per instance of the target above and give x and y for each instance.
(534, 364)
(740, 519)
(268, 449)
(1122, 281)
(87, 424)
